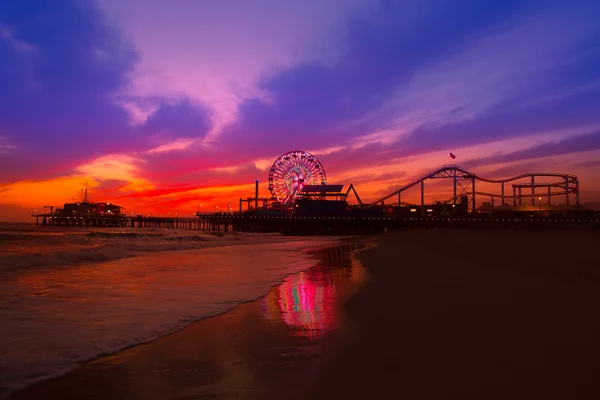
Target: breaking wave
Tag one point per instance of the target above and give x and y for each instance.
(72, 295)
(27, 250)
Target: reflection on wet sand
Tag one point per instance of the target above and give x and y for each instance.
(259, 350)
(308, 301)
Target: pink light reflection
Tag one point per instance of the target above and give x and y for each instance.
(308, 303)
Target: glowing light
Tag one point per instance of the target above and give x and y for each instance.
(307, 305)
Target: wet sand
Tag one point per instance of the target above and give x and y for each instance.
(443, 314)
(255, 351)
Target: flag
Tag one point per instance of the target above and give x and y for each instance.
(452, 156)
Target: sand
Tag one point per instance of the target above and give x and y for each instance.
(478, 315)
(254, 351)
(443, 314)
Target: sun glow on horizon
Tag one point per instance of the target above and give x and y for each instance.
(161, 123)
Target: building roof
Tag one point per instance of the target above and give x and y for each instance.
(93, 204)
(322, 188)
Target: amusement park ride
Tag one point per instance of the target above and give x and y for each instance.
(302, 202)
(297, 178)
(566, 184)
(291, 172)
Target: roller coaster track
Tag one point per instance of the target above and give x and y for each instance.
(569, 183)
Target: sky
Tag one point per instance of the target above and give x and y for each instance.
(166, 106)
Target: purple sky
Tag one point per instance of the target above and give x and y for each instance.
(173, 101)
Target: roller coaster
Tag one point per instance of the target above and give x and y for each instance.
(464, 184)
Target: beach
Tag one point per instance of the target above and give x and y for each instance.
(252, 351)
(473, 314)
(68, 296)
(421, 314)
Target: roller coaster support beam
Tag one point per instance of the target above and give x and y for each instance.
(532, 191)
(520, 198)
(576, 193)
(256, 195)
(514, 196)
(454, 189)
(473, 187)
(422, 198)
(399, 201)
(352, 189)
(502, 193)
(567, 189)
(549, 195)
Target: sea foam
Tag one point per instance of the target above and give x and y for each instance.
(73, 295)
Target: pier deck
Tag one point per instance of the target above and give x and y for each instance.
(315, 225)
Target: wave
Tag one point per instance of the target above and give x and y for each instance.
(137, 300)
(13, 236)
(63, 258)
(91, 247)
(122, 235)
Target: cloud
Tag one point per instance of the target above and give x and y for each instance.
(502, 123)
(574, 144)
(74, 115)
(19, 46)
(373, 177)
(171, 123)
(111, 185)
(181, 119)
(469, 88)
(507, 171)
(70, 112)
(214, 52)
(5, 146)
(164, 191)
(368, 87)
(113, 166)
(591, 163)
(185, 167)
(528, 60)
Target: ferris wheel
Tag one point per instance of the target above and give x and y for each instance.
(291, 172)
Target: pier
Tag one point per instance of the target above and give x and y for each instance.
(295, 225)
(322, 209)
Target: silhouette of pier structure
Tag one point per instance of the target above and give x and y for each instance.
(291, 224)
(315, 213)
(465, 184)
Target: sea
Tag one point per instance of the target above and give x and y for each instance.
(68, 295)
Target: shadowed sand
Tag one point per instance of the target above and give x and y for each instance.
(480, 315)
(444, 314)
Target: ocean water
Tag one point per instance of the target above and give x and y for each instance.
(69, 295)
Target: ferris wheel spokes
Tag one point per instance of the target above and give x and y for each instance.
(291, 172)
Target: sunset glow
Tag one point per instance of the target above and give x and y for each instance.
(165, 106)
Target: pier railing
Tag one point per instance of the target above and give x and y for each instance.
(320, 225)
